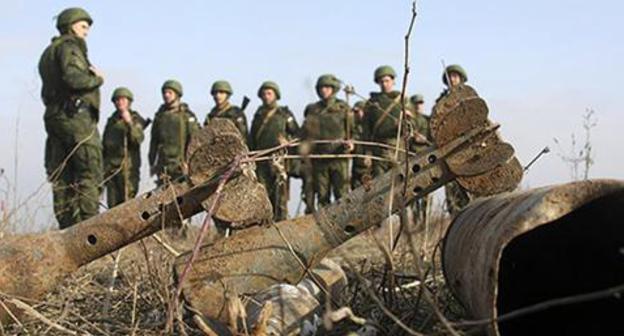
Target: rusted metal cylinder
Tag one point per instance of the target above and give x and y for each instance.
(517, 250)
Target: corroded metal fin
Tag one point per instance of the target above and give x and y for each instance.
(212, 149)
(480, 158)
(504, 178)
(466, 115)
(448, 103)
(244, 203)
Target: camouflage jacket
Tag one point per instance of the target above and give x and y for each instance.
(231, 112)
(171, 133)
(120, 137)
(327, 121)
(269, 124)
(381, 115)
(67, 79)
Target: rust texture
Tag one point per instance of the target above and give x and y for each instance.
(262, 256)
(31, 265)
(512, 250)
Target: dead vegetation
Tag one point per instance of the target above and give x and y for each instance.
(403, 294)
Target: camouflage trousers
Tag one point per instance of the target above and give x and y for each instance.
(456, 198)
(307, 179)
(330, 177)
(277, 189)
(73, 162)
(116, 187)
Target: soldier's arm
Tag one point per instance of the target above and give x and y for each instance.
(154, 141)
(136, 135)
(241, 123)
(75, 68)
(255, 124)
(292, 127)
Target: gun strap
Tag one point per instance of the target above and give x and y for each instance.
(265, 121)
(386, 114)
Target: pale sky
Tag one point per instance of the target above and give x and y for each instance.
(539, 65)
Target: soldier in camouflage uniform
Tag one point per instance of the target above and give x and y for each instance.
(328, 119)
(174, 124)
(456, 197)
(122, 140)
(273, 125)
(70, 92)
(381, 118)
(358, 168)
(221, 92)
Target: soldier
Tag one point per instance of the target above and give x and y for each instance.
(328, 119)
(421, 141)
(71, 95)
(456, 197)
(221, 92)
(174, 123)
(122, 140)
(273, 125)
(381, 118)
(359, 168)
(420, 123)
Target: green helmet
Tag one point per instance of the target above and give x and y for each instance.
(122, 92)
(456, 69)
(417, 98)
(359, 105)
(384, 70)
(328, 80)
(174, 85)
(70, 16)
(270, 85)
(221, 86)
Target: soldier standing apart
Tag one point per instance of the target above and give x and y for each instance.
(221, 92)
(328, 120)
(381, 119)
(456, 197)
(174, 123)
(122, 140)
(273, 125)
(71, 95)
(358, 169)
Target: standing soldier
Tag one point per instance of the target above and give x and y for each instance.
(70, 92)
(273, 125)
(456, 197)
(328, 120)
(221, 92)
(174, 124)
(122, 140)
(381, 118)
(358, 169)
(421, 141)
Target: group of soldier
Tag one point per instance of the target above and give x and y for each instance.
(341, 146)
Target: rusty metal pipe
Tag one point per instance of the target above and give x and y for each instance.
(514, 251)
(259, 257)
(33, 264)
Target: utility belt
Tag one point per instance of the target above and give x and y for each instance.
(76, 106)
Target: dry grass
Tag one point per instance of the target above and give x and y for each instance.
(140, 299)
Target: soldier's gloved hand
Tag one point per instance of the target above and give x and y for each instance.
(96, 72)
(305, 148)
(349, 146)
(125, 116)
